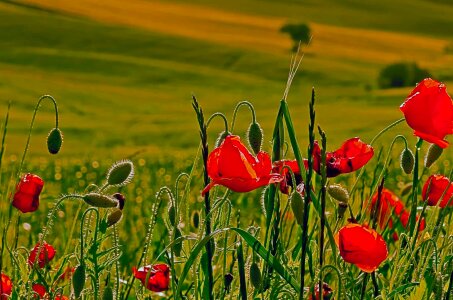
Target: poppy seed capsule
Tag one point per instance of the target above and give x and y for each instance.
(121, 200)
(338, 192)
(433, 153)
(99, 200)
(54, 141)
(221, 138)
(297, 205)
(114, 217)
(78, 280)
(407, 161)
(255, 275)
(121, 173)
(255, 137)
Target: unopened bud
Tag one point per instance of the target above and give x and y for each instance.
(297, 205)
(342, 206)
(255, 275)
(99, 200)
(255, 137)
(221, 138)
(177, 248)
(338, 192)
(114, 217)
(78, 280)
(433, 153)
(195, 218)
(54, 141)
(407, 161)
(120, 173)
(406, 189)
(172, 215)
(121, 200)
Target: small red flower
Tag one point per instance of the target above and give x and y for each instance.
(46, 254)
(429, 112)
(61, 297)
(158, 278)
(67, 273)
(351, 156)
(39, 289)
(361, 246)
(327, 292)
(287, 182)
(6, 287)
(26, 197)
(438, 188)
(234, 167)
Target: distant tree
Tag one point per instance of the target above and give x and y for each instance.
(401, 74)
(298, 32)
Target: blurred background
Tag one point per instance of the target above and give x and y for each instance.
(123, 72)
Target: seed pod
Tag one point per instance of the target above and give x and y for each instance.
(54, 141)
(433, 153)
(108, 293)
(220, 139)
(114, 217)
(121, 200)
(120, 173)
(255, 275)
(100, 200)
(172, 215)
(338, 192)
(407, 161)
(78, 280)
(342, 206)
(297, 205)
(177, 248)
(255, 137)
(195, 218)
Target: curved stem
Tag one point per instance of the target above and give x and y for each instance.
(218, 114)
(242, 103)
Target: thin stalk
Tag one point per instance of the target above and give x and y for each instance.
(415, 179)
(375, 284)
(242, 103)
(323, 201)
(363, 292)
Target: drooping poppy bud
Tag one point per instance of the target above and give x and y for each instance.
(351, 156)
(39, 289)
(46, 254)
(100, 200)
(114, 217)
(158, 278)
(195, 218)
(338, 192)
(6, 285)
(433, 153)
(255, 275)
(234, 167)
(178, 246)
(438, 188)
(78, 280)
(429, 112)
(255, 137)
(54, 141)
(297, 205)
(407, 161)
(120, 173)
(327, 293)
(172, 215)
(26, 197)
(361, 246)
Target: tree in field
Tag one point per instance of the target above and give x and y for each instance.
(299, 33)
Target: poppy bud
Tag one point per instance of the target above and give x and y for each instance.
(114, 217)
(121, 200)
(172, 215)
(220, 138)
(121, 173)
(407, 161)
(338, 192)
(297, 205)
(177, 248)
(342, 206)
(54, 141)
(108, 293)
(255, 137)
(99, 200)
(433, 153)
(78, 280)
(228, 279)
(406, 189)
(195, 218)
(255, 275)
(265, 204)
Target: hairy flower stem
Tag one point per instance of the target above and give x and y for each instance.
(415, 180)
(207, 204)
(363, 292)
(311, 136)
(323, 201)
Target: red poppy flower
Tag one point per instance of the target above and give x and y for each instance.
(361, 246)
(351, 156)
(39, 289)
(438, 188)
(234, 167)
(429, 112)
(67, 273)
(327, 292)
(46, 254)
(26, 197)
(61, 297)
(158, 278)
(6, 287)
(287, 181)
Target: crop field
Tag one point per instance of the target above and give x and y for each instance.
(124, 74)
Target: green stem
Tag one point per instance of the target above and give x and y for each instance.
(220, 115)
(365, 280)
(323, 201)
(413, 212)
(242, 103)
